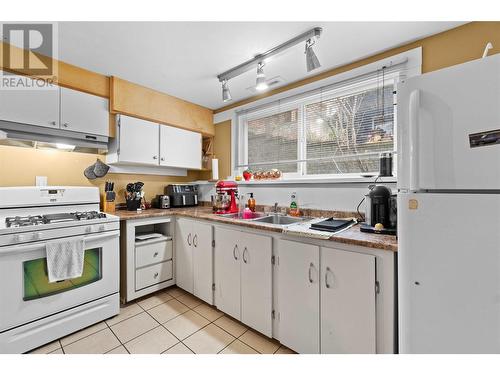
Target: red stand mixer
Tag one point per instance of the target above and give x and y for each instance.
(225, 189)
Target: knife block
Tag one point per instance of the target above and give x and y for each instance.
(108, 206)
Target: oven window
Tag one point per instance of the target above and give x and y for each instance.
(36, 280)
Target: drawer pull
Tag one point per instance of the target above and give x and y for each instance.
(155, 254)
(156, 275)
(189, 239)
(234, 252)
(195, 240)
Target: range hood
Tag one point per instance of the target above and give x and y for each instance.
(24, 135)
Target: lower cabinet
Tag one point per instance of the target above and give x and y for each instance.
(194, 258)
(243, 277)
(298, 296)
(347, 302)
(326, 299)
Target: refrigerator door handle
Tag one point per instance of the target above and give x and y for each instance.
(413, 138)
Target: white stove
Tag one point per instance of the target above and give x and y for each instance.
(33, 311)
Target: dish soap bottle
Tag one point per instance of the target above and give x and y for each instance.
(251, 203)
(294, 206)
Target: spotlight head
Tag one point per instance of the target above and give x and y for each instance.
(226, 94)
(260, 82)
(312, 61)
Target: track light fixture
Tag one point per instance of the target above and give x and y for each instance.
(226, 94)
(260, 82)
(312, 61)
(258, 61)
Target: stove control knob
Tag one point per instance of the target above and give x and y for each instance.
(16, 238)
(36, 236)
(102, 228)
(88, 230)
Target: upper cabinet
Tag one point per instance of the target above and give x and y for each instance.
(138, 141)
(180, 148)
(84, 113)
(56, 108)
(39, 107)
(141, 142)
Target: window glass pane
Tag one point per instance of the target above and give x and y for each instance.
(345, 134)
(272, 140)
(36, 279)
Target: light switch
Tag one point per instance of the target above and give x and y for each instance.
(41, 180)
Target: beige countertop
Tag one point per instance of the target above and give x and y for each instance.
(351, 236)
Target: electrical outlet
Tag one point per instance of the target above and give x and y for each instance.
(41, 180)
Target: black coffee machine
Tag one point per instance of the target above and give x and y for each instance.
(381, 211)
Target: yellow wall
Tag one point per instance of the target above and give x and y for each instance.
(19, 166)
(449, 48)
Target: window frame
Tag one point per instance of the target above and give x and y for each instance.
(299, 104)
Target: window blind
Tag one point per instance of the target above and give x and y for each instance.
(345, 134)
(336, 130)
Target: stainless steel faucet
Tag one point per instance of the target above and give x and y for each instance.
(275, 208)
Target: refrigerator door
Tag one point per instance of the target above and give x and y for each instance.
(449, 128)
(449, 273)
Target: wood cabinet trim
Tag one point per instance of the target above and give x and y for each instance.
(138, 101)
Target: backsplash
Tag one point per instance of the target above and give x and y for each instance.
(342, 197)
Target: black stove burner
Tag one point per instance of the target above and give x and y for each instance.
(23, 221)
(89, 215)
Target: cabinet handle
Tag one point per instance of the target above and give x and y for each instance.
(155, 254)
(195, 240)
(234, 252)
(326, 277)
(311, 267)
(156, 275)
(162, 158)
(189, 239)
(244, 259)
(52, 123)
(155, 157)
(65, 125)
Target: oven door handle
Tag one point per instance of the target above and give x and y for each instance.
(41, 244)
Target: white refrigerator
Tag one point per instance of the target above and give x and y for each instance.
(449, 209)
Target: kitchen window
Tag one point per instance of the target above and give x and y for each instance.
(335, 131)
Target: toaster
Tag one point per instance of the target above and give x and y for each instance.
(161, 201)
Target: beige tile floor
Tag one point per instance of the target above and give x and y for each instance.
(168, 322)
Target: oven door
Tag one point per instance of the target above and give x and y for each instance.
(26, 294)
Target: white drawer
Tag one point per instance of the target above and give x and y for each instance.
(152, 253)
(153, 275)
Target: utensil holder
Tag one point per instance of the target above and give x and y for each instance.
(133, 205)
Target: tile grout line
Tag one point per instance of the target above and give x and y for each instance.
(84, 337)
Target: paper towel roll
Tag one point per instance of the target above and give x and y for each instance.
(215, 169)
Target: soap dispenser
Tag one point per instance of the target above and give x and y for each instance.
(251, 203)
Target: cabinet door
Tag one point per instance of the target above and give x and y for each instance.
(35, 107)
(202, 261)
(227, 271)
(184, 254)
(139, 141)
(180, 148)
(347, 302)
(256, 282)
(298, 296)
(85, 113)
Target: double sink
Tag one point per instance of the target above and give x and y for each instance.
(270, 218)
